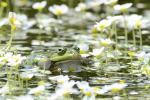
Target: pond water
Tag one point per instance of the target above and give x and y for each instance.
(114, 68)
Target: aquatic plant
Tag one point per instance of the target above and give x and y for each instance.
(12, 22)
(81, 7)
(39, 5)
(58, 10)
(102, 25)
(124, 9)
(111, 2)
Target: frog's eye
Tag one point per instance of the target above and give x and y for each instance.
(77, 49)
(60, 49)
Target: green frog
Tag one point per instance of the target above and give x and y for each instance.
(65, 60)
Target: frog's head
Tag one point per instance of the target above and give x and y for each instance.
(62, 51)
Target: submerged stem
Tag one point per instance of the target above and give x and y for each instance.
(106, 61)
(10, 40)
(8, 8)
(134, 38)
(1, 11)
(141, 41)
(116, 35)
(125, 30)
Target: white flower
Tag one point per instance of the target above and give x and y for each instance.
(25, 97)
(106, 42)
(81, 7)
(89, 93)
(111, 2)
(67, 87)
(94, 4)
(60, 79)
(23, 3)
(117, 86)
(98, 52)
(145, 70)
(17, 20)
(8, 55)
(134, 21)
(116, 98)
(23, 22)
(38, 90)
(64, 90)
(103, 24)
(81, 85)
(13, 21)
(5, 57)
(26, 75)
(138, 24)
(12, 60)
(5, 89)
(4, 21)
(15, 60)
(114, 87)
(12, 17)
(58, 9)
(83, 48)
(123, 7)
(114, 19)
(143, 57)
(39, 5)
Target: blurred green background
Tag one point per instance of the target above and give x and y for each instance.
(70, 3)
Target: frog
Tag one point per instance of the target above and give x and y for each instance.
(65, 60)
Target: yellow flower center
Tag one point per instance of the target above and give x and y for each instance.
(123, 9)
(12, 20)
(40, 8)
(122, 81)
(94, 30)
(115, 89)
(147, 70)
(37, 93)
(66, 93)
(41, 83)
(58, 12)
(102, 27)
(131, 53)
(82, 52)
(138, 24)
(88, 93)
(104, 43)
(61, 81)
